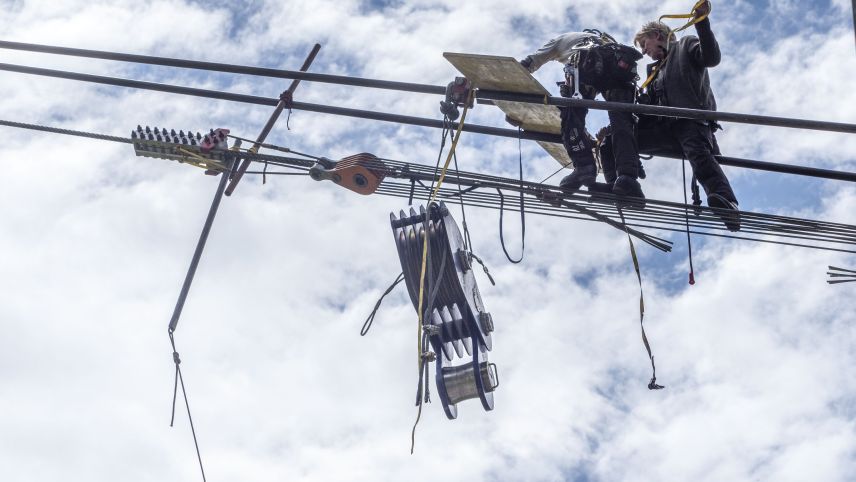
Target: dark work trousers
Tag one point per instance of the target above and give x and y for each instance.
(688, 138)
(579, 145)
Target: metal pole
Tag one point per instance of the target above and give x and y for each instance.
(284, 99)
(200, 245)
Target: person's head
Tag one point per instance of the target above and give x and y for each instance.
(653, 39)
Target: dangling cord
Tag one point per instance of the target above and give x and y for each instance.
(179, 378)
(652, 385)
(368, 323)
(696, 196)
(687, 219)
(445, 133)
(522, 208)
(468, 243)
(436, 190)
(484, 267)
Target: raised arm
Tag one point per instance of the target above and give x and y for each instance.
(706, 52)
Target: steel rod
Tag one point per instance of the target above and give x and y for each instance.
(229, 68)
(284, 99)
(670, 111)
(200, 246)
(432, 89)
(397, 118)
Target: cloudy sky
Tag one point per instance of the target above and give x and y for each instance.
(757, 356)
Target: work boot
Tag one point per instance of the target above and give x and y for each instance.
(582, 176)
(628, 187)
(726, 210)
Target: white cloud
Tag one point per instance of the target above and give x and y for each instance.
(96, 242)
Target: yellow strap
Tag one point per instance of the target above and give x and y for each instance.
(694, 19)
(425, 255)
(200, 161)
(425, 233)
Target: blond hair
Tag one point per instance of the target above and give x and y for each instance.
(654, 27)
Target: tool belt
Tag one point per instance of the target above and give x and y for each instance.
(605, 67)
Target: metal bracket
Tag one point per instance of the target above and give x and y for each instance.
(285, 101)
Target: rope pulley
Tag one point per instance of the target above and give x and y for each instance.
(361, 173)
(456, 321)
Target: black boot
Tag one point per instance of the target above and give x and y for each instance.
(582, 176)
(726, 210)
(628, 186)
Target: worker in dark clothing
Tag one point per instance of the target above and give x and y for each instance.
(595, 63)
(679, 78)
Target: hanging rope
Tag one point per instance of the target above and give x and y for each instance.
(689, 241)
(522, 210)
(652, 385)
(368, 323)
(179, 378)
(433, 198)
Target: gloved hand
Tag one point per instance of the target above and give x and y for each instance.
(527, 63)
(564, 89)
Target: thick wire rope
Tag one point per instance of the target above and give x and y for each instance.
(660, 215)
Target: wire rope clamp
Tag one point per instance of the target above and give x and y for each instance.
(207, 152)
(457, 95)
(361, 173)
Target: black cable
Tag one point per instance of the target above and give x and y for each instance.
(179, 378)
(661, 215)
(368, 323)
(687, 214)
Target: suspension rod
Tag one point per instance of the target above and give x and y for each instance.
(399, 119)
(433, 89)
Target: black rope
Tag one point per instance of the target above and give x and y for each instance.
(180, 378)
(689, 241)
(661, 215)
(844, 275)
(652, 384)
(368, 323)
(551, 175)
(484, 267)
(522, 210)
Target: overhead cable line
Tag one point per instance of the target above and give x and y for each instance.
(398, 118)
(431, 89)
(479, 190)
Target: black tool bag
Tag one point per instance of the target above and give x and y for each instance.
(609, 66)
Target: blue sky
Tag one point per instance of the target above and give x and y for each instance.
(96, 242)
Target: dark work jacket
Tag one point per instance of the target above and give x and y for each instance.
(683, 81)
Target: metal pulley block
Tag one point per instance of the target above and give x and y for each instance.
(457, 324)
(361, 173)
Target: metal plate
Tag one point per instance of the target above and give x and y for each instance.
(491, 72)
